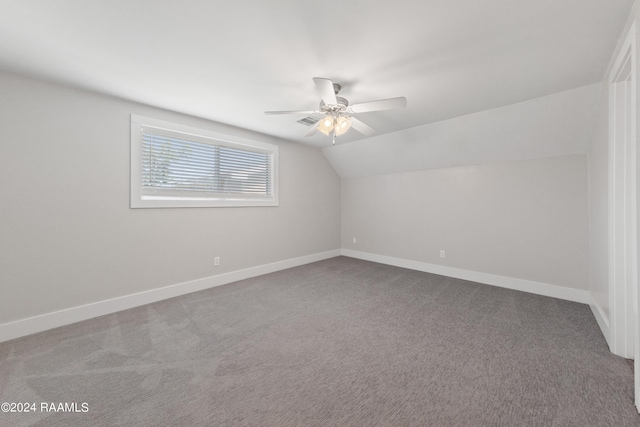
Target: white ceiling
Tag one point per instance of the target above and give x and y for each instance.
(229, 61)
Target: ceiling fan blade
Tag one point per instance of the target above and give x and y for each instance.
(326, 90)
(362, 127)
(311, 131)
(383, 104)
(291, 112)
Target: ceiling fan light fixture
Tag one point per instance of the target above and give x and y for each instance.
(342, 125)
(325, 125)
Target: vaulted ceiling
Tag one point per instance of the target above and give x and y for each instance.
(229, 61)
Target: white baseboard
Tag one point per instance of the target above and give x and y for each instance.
(32, 325)
(555, 291)
(602, 320)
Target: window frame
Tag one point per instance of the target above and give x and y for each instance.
(140, 200)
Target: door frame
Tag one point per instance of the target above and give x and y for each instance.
(624, 322)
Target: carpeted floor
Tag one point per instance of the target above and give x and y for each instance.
(342, 342)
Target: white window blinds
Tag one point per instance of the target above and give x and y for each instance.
(183, 166)
(180, 166)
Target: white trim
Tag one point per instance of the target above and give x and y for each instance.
(555, 291)
(601, 319)
(55, 319)
(622, 188)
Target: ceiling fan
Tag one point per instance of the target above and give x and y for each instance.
(338, 114)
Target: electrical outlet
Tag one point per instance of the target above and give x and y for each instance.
(355, 241)
(442, 254)
(216, 261)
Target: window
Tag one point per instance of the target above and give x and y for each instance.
(178, 166)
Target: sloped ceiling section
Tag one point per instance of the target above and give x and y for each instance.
(553, 125)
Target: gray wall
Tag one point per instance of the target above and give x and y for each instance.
(502, 191)
(526, 219)
(68, 236)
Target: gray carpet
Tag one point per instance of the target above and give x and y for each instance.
(341, 342)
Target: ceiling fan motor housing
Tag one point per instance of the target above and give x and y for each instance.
(340, 107)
